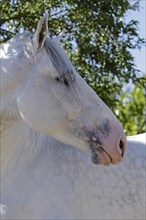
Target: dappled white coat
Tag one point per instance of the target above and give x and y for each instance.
(51, 180)
(42, 178)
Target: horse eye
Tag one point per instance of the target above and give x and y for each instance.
(63, 80)
(57, 79)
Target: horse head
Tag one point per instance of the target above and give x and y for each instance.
(56, 101)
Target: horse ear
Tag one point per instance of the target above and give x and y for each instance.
(41, 32)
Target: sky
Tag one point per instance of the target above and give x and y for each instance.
(140, 55)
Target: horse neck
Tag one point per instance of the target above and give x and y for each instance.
(14, 133)
(15, 74)
(19, 146)
(9, 112)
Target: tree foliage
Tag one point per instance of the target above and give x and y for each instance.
(99, 41)
(132, 111)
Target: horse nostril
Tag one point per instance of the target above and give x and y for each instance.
(122, 146)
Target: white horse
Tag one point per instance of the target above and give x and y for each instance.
(44, 101)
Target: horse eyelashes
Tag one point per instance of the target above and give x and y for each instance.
(62, 79)
(57, 79)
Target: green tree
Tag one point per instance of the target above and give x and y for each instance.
(132, 111)
(98, 38)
